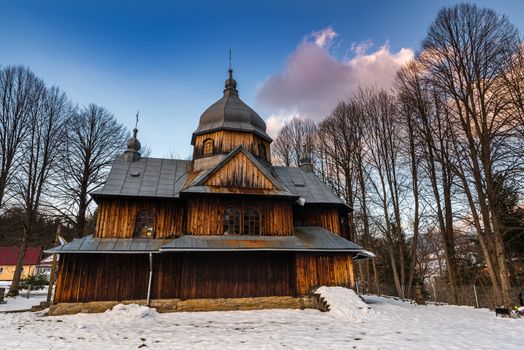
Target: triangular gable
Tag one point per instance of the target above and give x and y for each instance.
(240, 170)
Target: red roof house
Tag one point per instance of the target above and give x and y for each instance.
(8, 257)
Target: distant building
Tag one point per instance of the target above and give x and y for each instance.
(8, 256)
(44, 268)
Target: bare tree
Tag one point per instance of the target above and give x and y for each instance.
(94, 138)
(19, 91)
(383, 145)
(427, 117)
(341, 149)
(41, 149)
(466, 53)
(292, 141)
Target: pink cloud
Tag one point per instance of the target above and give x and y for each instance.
(314, 81)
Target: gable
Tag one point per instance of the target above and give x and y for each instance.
(239, 171)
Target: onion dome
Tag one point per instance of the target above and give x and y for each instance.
(231, 113)
(133, 146)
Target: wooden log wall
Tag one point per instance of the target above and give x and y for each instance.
(240, 172)
(193, 275)
(326, 269)
(322, 215)
(225, 141)
(204, 214)
(101, 277)
(116, 217)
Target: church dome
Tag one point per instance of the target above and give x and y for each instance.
(133, 143)
(231, 113)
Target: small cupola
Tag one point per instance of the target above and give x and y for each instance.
(227, 124)
(231, 113)
(230, 85)
(132, 153)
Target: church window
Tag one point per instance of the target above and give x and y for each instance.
(145, 224)
(208, 146)
(262, 150)
(232, 221)
(251, 221)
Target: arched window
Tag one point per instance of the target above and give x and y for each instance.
(208, 146)
(232, 221)
(145, 224)
(262, 150)
(251, 221)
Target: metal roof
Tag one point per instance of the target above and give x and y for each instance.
(305, 238)
(165, 178)
(307, 185)
(89, 244)
(231, 113)
(146, 177)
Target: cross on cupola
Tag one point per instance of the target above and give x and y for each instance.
(131, 154)
(231, 84)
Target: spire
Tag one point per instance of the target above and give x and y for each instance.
(231, 84)
(133, 145)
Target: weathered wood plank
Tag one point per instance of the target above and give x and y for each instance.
(225, 141)
(315, 270)
(116, 217)
(240, 172)
(324, 216)
(204, 214)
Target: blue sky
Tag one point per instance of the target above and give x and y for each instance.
(169, 59)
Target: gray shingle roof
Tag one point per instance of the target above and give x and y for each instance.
(147, 177)
(165, 178)
(231, 113)
(305, 239)
(307, 185)
(89, 244)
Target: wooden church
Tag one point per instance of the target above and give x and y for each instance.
(226, 224)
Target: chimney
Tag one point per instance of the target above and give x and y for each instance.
(305, 163)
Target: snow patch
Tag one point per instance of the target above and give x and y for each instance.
(344, 303)
(131, 312)
(20, 302)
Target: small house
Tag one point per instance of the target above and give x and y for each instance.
(8, 257)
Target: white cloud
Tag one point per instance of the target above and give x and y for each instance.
(323, 37)
(314, 80)
(275, 122)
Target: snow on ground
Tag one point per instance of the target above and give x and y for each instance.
(22, 302)
(389, 324)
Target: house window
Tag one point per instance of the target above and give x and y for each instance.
(208, 146)
(232, 221)
(251, 221)
(1, 269)
(145, 224)
(262, 150)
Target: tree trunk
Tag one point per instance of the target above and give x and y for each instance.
(416, 220)
(24, 240)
